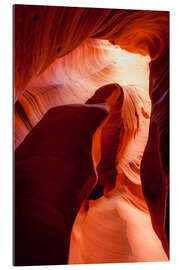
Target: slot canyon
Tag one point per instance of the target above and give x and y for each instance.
(91, 135)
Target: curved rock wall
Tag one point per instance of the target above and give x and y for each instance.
(51, 69)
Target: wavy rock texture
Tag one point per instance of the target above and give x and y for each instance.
(74, 78)
(37, 44)
(65, 61)
(122, 212)
(113, 230)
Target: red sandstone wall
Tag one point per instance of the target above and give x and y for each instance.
(43, 34)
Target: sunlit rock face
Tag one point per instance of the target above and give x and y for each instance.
(122, 211)
(37, 45)
(114, 230)
(75, 77)
(90, 57)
